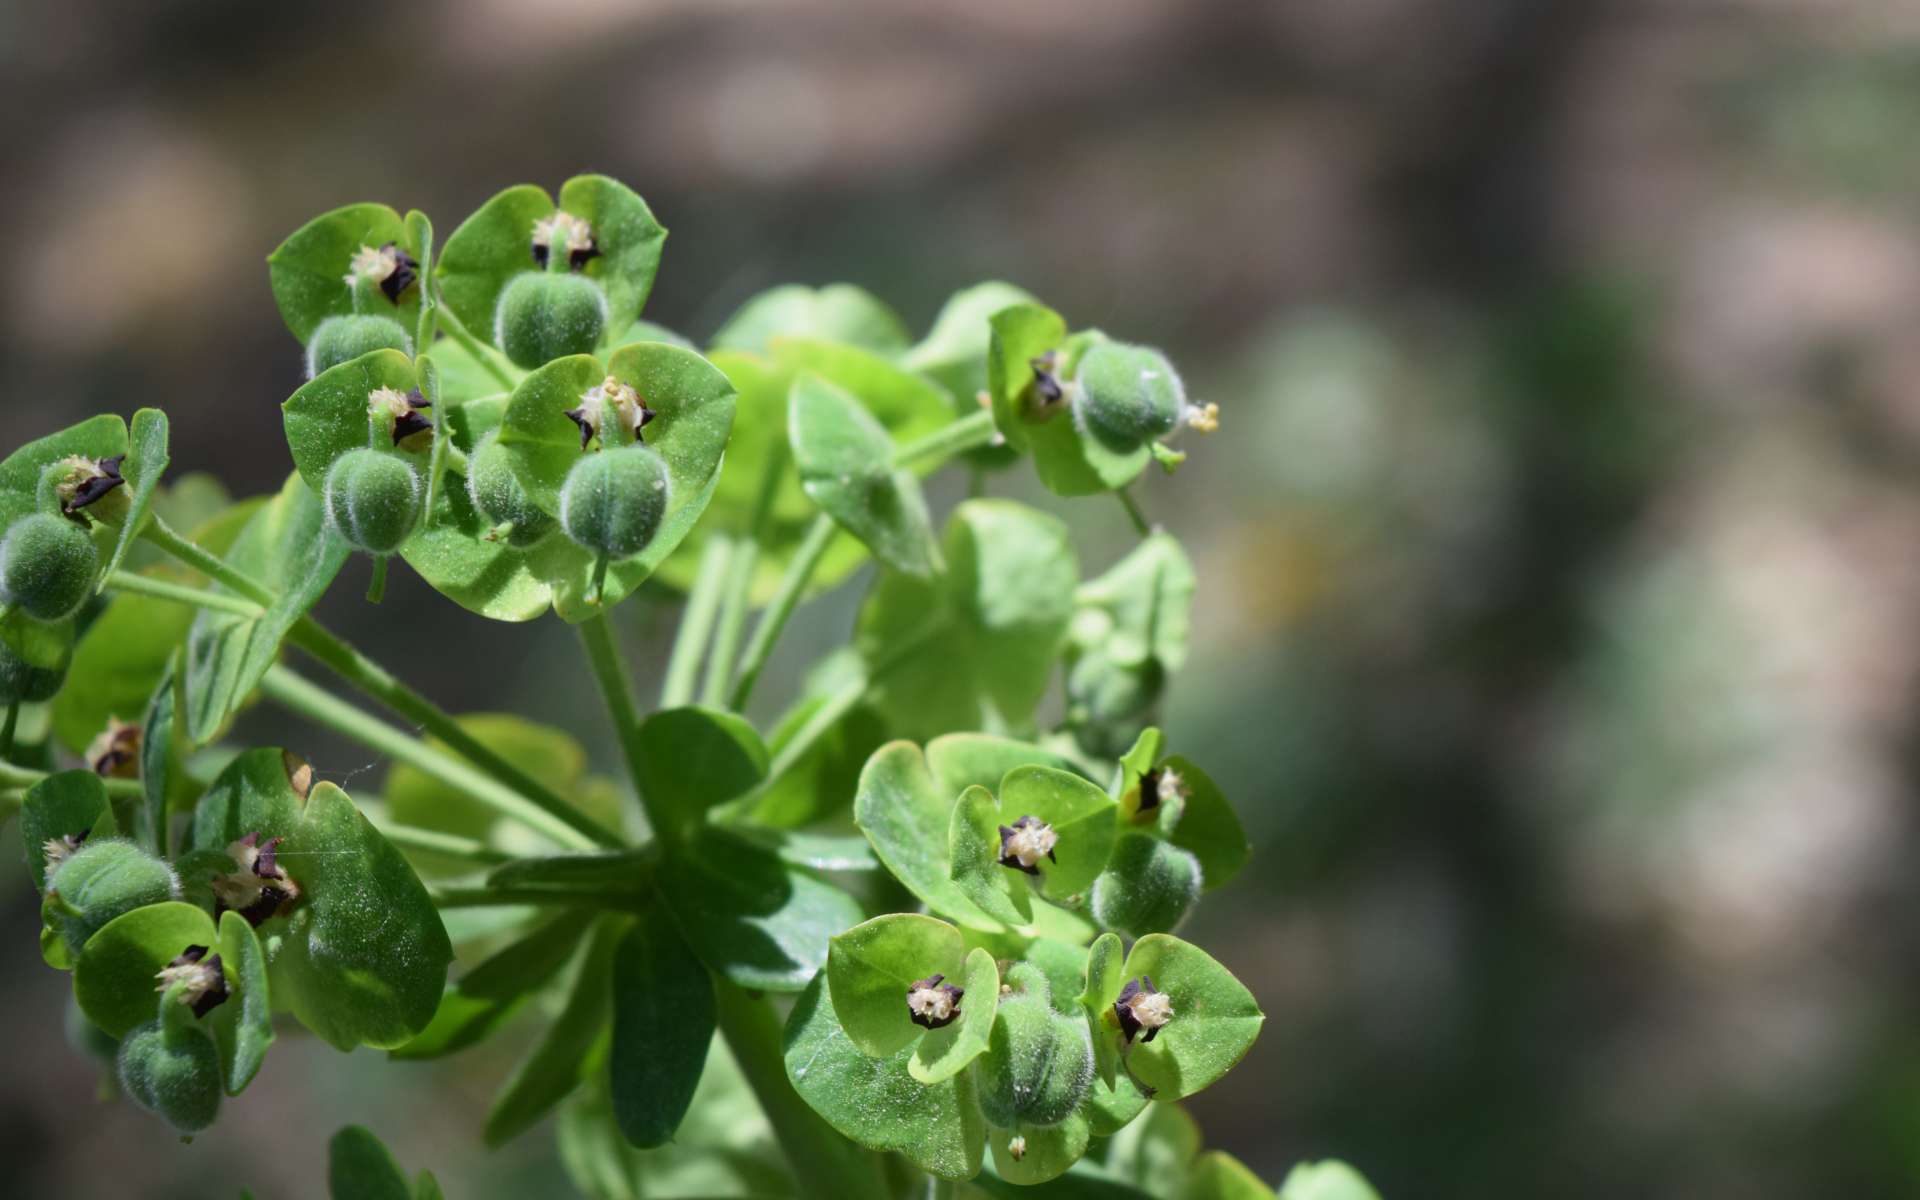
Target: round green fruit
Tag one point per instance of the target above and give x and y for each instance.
(497, 493)
(103, 880)
(613, 502)
(1039, 1063)
(1148, 886)
(373, 500)
(172, 1072)
(46, 566)
(544, 316)
(1127, 395)
(343, 339)
(34, 657)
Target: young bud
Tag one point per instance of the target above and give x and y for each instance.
(47, 565)
(173, 1071)
(373, 500)
(343, 339)
(102, 880)
(1148, 886)
(497, 494)
(1127, 395)
(613, 501)
(33, 659)
(1039, 1063)
(544, 316)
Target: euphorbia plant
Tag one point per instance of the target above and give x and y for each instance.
(933, 929)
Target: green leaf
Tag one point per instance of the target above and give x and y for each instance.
(908, 406)
(943, 1053)
(694, 758)
(611, 876)
(1218, 1175)
(997, 620)
(1328, 1179)
(1207, 826)
(328, 416)
(663, 1021)
(1215, 1018)
(1111, 1106)
(359, 1167)
(973, 851)
(1046, 1150)
(242, 1025)
(963, 760)
(259, 791)
(309, 269)
(1017, 335)
(566, 1051)
(816, 786)
(838, 312)
(1082, 816)
(872, 967)
(113, 978)
(846, 466)
(762, 923)
(954, 352)
(117, 665)
(629, 239)
(65, 804)
(484, 999)
(1106, 960)
(420, 233)
(907, 821)
(287, 546)
(1136, 763)
(1143, 604)
(1157, 1151)
(876, 1101)
(365, 956)
(426, 1187)
(98, 437)
(146, 461)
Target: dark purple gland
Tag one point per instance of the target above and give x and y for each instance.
(405, 271)
(115, 753)
(610, 400)
(91, 480)
(201, 978)
(932, 1003)
(1142, 1006)
(571, 233)
(1048, 391)
(259, 889)
(1025, 842)
(584, 419)
(414, 419)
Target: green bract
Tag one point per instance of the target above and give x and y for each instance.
(367, 243)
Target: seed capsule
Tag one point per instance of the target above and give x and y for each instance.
(1025, 842)
(343, 339)
(1039, 1063)
(47, 565)
(373, 500)
(497, 494)
(932, 1003)
(1142, 1006)
(101, 880)
(33, 659)
(613, 501)
(174, 1072)
(1148, 886)
(543, 316)
(1125, 395)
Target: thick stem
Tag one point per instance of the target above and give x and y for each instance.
(206, 562)
(825, 1163)
(179, 593)
(696, 623)
(609, 671)
(485, 355)
(447, 845)
(323, 708)
(774, 621)
(1140, 523)
(974, 429)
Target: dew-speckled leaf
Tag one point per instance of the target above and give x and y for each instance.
(113, 976)
(65, 804)
(328, 416)
(628, 237)
(485, 998)
(945, 1052)
(117, 664)
(145, 463)
(963, 760)
(103, 436)
(999, 614)
(761, 922)
(486, 251)
(242, 1026)
(693, 758)
(359, 1167)
(973, 855)
(1328, 1179)
(872, 967)
(907, 822)
(1157, 1151)
(839, 312)
(308, 271)
(1081, 814)
(569, 1048)
(663, 1021)
(845, 459)
(287, 546)
(1047, 1150)
(1112, 1106)
(1215, 1018)
(876, 1101)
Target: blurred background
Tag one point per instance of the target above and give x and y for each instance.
(1556, 637)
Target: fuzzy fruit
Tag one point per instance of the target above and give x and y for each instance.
(612, 502)
(1148, 886)
(100, 881)
(174, 1071)
(1127, 395)
(46, 566)
(497, 493)
(373, 500)
(544, 316)
(1039, 1063)
(343, 339)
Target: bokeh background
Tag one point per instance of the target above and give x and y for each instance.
(1556, 633)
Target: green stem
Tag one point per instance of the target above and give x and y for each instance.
(206, 562)
(6, 731)
(411, 837)
(609, 671)
(179, 593)
(1140, 523)
(696, 623)
(12, 776)
(485, 897)
(774, 621)
(324, 708)
(484, 354)
(974, 429)
(824, 1163)
(733, 621)
(849, 694)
